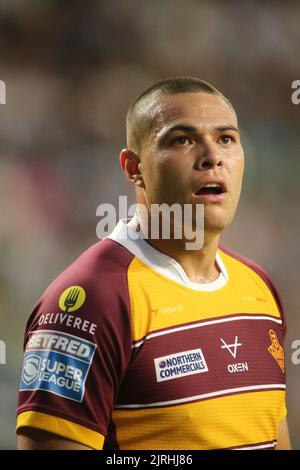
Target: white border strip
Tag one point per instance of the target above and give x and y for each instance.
(205, 323)
(203, 396)
(261, 446)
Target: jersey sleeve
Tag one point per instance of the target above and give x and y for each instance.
(77, 347)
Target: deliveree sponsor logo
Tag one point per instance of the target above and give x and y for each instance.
(72, 299)
(180, 364)
(57, 363)
(77, 323)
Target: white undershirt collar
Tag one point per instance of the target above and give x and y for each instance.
(125, 234)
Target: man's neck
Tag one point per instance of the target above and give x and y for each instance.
(199, 265)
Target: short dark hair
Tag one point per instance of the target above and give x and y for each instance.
(137, 124)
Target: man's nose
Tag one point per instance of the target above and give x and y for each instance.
(209, 156)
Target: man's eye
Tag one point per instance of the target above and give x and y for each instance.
(226, 139)
(181, 140)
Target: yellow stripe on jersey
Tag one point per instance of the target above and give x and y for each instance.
(61, 427)
(165, 303)
(283, 412)
(229, 421)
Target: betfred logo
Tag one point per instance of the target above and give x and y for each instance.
(60, 342)
(179, 365)
(57, 363)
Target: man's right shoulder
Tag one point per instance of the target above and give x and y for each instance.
(106, 257)
(95, 283)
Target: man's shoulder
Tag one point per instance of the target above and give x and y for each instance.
(106, 259)
(103, 255)
(99, 275)
(256, 268)
(245, 261)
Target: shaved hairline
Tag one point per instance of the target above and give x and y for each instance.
(139, 123)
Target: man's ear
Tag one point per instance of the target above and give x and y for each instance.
(131, 166)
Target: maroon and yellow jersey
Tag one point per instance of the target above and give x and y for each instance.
(123, 351)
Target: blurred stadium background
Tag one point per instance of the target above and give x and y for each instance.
(71, 68)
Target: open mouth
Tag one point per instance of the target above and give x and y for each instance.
(211, 188)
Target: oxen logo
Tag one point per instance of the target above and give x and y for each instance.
(232, 348)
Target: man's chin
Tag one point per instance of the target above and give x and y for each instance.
(216, 222)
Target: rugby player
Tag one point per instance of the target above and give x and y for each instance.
(143, 344)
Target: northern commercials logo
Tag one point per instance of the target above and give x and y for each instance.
(72, 299)
(57, 363)
(179, 365)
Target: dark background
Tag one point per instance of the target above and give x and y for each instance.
(71, 69)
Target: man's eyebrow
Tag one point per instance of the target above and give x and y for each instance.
(176, 127)
(227, 127)
(190, 128)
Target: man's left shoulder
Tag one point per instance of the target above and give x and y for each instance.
(258, 270)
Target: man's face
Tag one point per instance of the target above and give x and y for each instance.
(194, 142)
